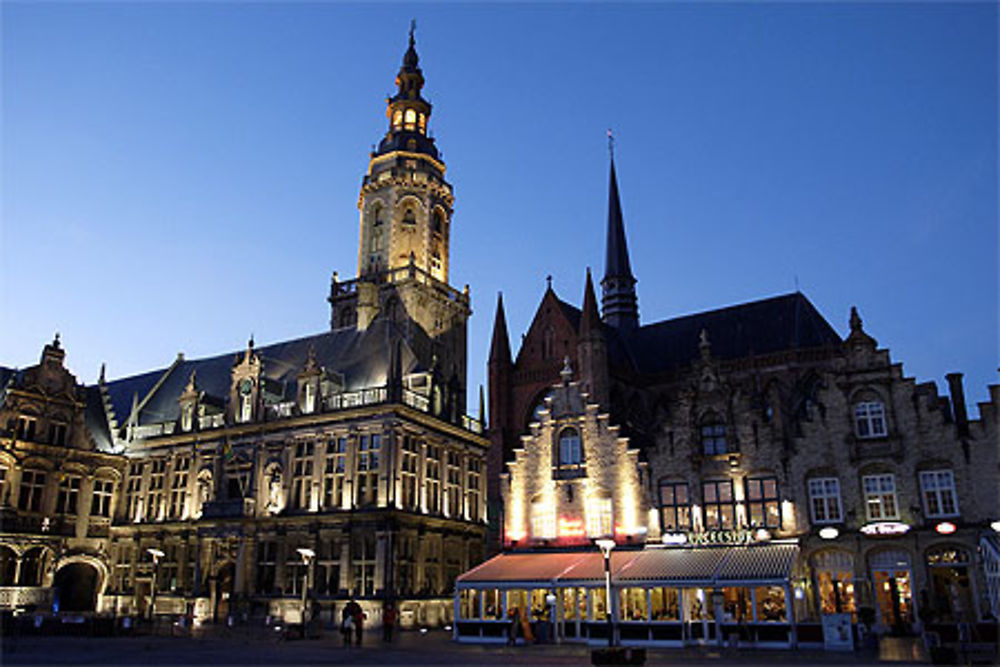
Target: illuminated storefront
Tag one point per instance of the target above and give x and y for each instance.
(892, 579)
(660, 595)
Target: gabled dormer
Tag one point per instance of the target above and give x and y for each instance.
(245, 386)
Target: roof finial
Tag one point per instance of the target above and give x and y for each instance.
(611, 144)
(55, 341)
(567, 371)
(413, 28)
(855, 319)
(548, 280)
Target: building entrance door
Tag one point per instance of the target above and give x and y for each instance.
(699, 616)
(76, 587)
(893, 582)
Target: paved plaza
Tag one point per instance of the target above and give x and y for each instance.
(410, 648)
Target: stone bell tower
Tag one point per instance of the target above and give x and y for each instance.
(405, 229)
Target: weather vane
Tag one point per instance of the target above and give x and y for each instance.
(413, 28)
(611, 143)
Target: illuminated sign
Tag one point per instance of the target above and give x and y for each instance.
(946, 528)
(884, 528)
(703, 538)
(995, 526)
(571, 527)
(829, 533)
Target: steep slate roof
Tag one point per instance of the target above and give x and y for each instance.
(361, 357)
(780, 323)
(96, 421)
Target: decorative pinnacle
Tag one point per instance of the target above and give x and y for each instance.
(855, 319)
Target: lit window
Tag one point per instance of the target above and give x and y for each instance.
(599, 517)
(675, 506)
(938, 487)
(69, 493)
(869, 419)
(763, 506)
(880, 497)
(309, 402)
(302, 470)
(411, 119)
(720, 505)
(246, 408)
(824, 500)
(569, 447)
(543, 520)
(713, 436)
(423, 124)
(32, 485)
(397, 120)
(101, 500)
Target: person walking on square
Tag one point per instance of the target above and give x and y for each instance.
(346, 624)
(388, 622)
(359, 616)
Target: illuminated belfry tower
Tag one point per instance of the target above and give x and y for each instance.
(405, 228)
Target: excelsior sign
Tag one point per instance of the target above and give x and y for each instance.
(880, 528)
(712, 537)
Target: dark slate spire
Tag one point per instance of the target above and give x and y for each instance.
(500, 347)
(618, 300)
(590, 320)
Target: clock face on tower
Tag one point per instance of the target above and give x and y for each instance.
(246, 386)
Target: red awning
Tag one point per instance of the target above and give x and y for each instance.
(707, 566)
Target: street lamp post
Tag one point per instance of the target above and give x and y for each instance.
(307, 557)
(606, 545)
(157, 554)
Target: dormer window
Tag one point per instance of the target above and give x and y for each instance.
(869, 419)
(309, 399)
(187, 417)
(246, 400)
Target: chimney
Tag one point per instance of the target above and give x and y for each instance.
(958, 403)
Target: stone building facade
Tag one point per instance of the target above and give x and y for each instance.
(754, 424)
(58, 481)
(284, 480)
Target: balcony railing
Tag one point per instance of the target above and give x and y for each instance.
(400, 274)
(15, 597)
(341, 401)
(229, 509)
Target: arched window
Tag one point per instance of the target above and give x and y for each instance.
(869, 419)
(438, 221)
(713, 435)
(8, 565)
(569, 453)
(187, 417)
(409, 218)
(411, 119)
(378, 216)
(31, 567)
(423, 123)
(397, 120)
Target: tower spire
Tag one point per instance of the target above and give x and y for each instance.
(500, 346)
(618, 299)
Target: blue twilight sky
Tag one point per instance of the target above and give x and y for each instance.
(177, 176)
